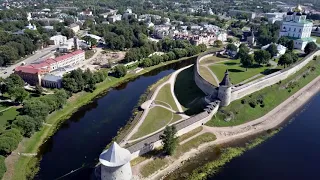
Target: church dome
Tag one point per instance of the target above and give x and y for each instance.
(298, 8)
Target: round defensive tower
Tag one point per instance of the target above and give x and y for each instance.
(115, 163)
(224, 93)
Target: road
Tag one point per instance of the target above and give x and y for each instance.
(39, 54)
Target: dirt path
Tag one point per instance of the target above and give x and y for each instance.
(270, 120)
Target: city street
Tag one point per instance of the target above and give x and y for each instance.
(5, 72)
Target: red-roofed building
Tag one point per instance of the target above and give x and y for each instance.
(28, 74)
(32, 73)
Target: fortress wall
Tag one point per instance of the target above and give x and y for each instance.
(204, 85)
(246, 89)
(183, 127)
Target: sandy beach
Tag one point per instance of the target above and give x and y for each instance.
(271, 120)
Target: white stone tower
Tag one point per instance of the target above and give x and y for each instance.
(224, 93)
(115, 163)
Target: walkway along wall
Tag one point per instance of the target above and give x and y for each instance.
(256, 85)
(183, 127)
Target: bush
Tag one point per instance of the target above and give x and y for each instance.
(243, 101)
(3, 167)
(262, 105)
(252, 103)
(120, 71)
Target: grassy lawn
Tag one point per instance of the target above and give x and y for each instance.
(8, 115)
(156, 119)
(213, 59)
(190, 134)
(240, 111)
(237, 73)
(194, 143)
(188, 93)
(32, 144)
(153, 166)
(318, 39)
(166, 96)
(206, 74)
(176, 117)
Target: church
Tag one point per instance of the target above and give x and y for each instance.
(296, 27)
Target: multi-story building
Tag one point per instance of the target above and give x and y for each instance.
(296, 27)
(32, 73)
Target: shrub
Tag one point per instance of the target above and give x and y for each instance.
(315, 57)
(243, 101)
(262, 105)
(120, 71)
(3, 167)
(7, 145)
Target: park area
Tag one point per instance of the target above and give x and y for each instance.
(164, 110)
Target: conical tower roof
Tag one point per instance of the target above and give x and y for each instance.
(226, 81)
(115, 156)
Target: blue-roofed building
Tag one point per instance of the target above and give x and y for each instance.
(51, 81)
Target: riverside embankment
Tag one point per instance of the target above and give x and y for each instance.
(271, 120)
(77, 143)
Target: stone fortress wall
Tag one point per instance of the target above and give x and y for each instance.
(182, 127)
(256, 85)
(204, 85)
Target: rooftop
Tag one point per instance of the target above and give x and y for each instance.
(226, 80)
(115, 156)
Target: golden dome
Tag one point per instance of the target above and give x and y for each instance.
(298, 8)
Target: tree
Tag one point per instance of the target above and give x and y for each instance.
(171, 55)
(232, 47)
(8, 54)
(7, 145)
(230, 40)
(18, 94)
(243, 51)
(246, 61)
(38, 89)
(272, 49)
(67, 32)
(262, 56)
(218, 43)
(25, 124)
(169, 139)
(285, 59)
(290, 45)
(35, 108)
(310, 47)
(120, 71)
(203, 47)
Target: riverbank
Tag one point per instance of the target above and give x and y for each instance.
(271, 120)
(20, 167)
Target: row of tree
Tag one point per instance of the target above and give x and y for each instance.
(78, 80)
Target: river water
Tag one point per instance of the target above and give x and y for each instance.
(291, 154)
(76, 146)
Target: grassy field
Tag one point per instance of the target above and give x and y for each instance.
(206, 74)
(241, 111)
(31, 145)
(165, 95)
(157, 118)
(188, 93)
(237, 73)
(8, 115)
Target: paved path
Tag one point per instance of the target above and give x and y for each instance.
(171, 81)
(6, 109)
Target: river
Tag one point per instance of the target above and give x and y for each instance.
(76, 146)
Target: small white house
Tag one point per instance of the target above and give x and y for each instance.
(281, 49)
